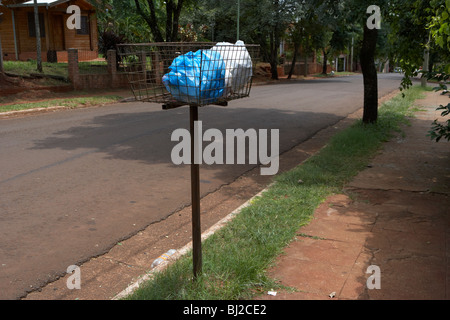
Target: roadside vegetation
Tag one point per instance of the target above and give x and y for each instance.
(67, 102)
(236, 258)
(28, 68)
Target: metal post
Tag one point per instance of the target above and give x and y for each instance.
(238, 18)
(1, 52)
(1, 56)
(195, 197)
(38, 37)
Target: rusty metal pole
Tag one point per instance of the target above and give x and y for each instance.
(195, 196)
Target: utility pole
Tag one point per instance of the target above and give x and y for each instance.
(1, 55)
(426, 59)
(1, 52)
(238, 18)
(38, 37)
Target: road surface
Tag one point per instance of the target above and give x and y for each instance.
(73, 183)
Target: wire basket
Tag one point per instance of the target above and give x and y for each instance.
(189, 73)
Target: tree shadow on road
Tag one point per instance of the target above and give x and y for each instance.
(146, 136)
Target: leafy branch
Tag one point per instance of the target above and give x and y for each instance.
(439, 130)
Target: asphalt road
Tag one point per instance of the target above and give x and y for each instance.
(73, 183)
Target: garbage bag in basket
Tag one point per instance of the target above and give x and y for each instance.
(238, 65)
(196, 77)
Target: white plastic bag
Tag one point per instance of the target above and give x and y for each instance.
(238, 62)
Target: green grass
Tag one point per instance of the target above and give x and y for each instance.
(67, 102)
(25, 68)
(235, 258)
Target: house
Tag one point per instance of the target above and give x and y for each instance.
(18, 34)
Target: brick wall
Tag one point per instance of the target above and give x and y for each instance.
(313, 68)
(112, 79)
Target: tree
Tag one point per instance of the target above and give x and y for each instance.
(308, 30)
(275, 34)
(151, 13)
(128, 17)
(265, 22)
(295, 35)
(342, 35)
(440, 34)
(439, 130)
(418, 27)
(440, 23)
(409, 35)
(115, 18)
(214, 20)
(356, 12)
(330, 30)
(369, 70)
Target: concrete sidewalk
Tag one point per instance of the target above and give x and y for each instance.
(394, 215)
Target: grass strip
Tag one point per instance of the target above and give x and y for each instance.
(26, 68)
(67, 102)
(235, 258)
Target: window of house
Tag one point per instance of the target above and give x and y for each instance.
(84, 30)
(32, 27)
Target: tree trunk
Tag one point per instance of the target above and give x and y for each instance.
(150, 19)
(294, 61)
(173, 11)
(325, 60)
(370, 75)
(273, 57)
(426, 56)
(306, 65)
(274, 69)
(175, 20)
(431, 61)
(169, 17)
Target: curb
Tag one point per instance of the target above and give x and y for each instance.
(30, 111)
(16, 113)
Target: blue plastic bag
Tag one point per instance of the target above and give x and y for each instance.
(196, 78)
